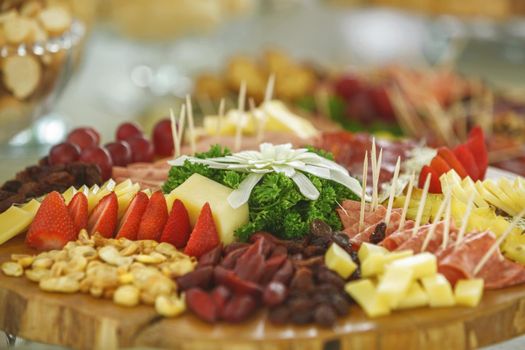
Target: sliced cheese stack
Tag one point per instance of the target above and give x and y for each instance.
(402, 280)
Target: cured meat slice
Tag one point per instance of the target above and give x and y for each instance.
(399, 237)
(415, 242)
(350, 216)
(498, 272)
(393, 225)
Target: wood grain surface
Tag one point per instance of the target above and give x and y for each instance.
(83, 322)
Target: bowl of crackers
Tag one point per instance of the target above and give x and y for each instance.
(40, 45)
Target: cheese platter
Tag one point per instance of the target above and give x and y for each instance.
(274, 246)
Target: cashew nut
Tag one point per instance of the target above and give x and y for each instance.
(62, 284)
(170, 305)
(42, 263)
(12, 269)
(111, 255)
(127, 295)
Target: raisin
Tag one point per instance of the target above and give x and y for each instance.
(313, 250)
(312, 262)
(279, 315)
(279, 250)
(230, 259)
(201, 278)
(320, 228)
(325, 315)
(342, 240)
(302, 317)
(274, 294)
(11, 186)
(201, 304)
(324, 275)
(302, 279)
(239, 308)
(340, 304)
(379, 233)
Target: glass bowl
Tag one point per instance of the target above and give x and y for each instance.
(34, 75)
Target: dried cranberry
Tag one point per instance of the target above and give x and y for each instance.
(324, 275)
(279, 250)
(220, 296)
(230, 259)
(201, 304)
(239, 308)
(212, 257)
(250, 267)
(234, 246)
(342, 240)
(233, 282)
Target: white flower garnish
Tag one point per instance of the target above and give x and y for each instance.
(280, 159)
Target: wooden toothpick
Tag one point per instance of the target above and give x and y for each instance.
(182, 119)
(174, 135)
(240, 122)
(392, 192)
(421, 206)
(191, 125)
(407, 202)
(378, 172)
(268, 94)
(363, 193)
(446, 232)
(221, 116)
(374, 170)
(466, 218)
(439, 214)
(497, 243)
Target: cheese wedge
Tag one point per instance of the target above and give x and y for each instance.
(338, 260)
(414, 297)
(439, 291)
(394, 284)
(197, 190)
(469, 292)
(364, 293)
(68, 194)
(14, 221)
(31, 207)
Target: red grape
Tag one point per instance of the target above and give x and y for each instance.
(348, 86)
(64, 153)
(99, 156)
(94, 133)
(141, 150)
(163, 138)
(360, 108)
(127, 131)
(381, 102)
(120, 152)
(82, 137)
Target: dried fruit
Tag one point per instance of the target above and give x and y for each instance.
(201, 303)
(199, 278)
(274, 293)
(213, 257)
(239, 308)
(220, 296)
(325, 315)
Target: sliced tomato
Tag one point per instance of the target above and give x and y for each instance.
(435, 185)
(478, 148)
(439, 165)
(449, 157)
(466, 158)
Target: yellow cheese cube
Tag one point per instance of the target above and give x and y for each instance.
(374, 264)
(31, 207)
(422, 265)
(394, 284)
(197, 190)
(68, 194)
(338, 260)
(367, 249)
(414, 297)
(364, 293)
(14, 221)
(439, 291)
(469, 292)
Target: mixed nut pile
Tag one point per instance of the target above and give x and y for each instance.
(129, 272)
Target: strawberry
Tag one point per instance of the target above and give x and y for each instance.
(177, 230)
(466, 158)
(130, 222)
(204, 236)
(104, 217)
(439, 165)
(154, 218)
(52, 226)
(435, 185)
(78, 209)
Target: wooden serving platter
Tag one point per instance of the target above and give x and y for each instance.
(83, 322)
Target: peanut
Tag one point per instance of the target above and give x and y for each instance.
(127, 295)
(62, 284)
(169, 306)
(12, 269)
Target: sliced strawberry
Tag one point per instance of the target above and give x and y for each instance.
(439, 165)
(466, 158)
(204, 236)
(177, 230)
(130, 222)
(435, 185)
(52, 226)
(154, 218)
(476, 145)
(104, 217)
(78, 209)
(449, 157)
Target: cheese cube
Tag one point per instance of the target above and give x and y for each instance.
(414, 297)
(367, 249)
(14, 221)
(439, 291)
(197, 190)
(422, 265)
(338, 260)
(364, 293)
(469, 292)
(31, 207)
(394, 284)
(374, 264)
